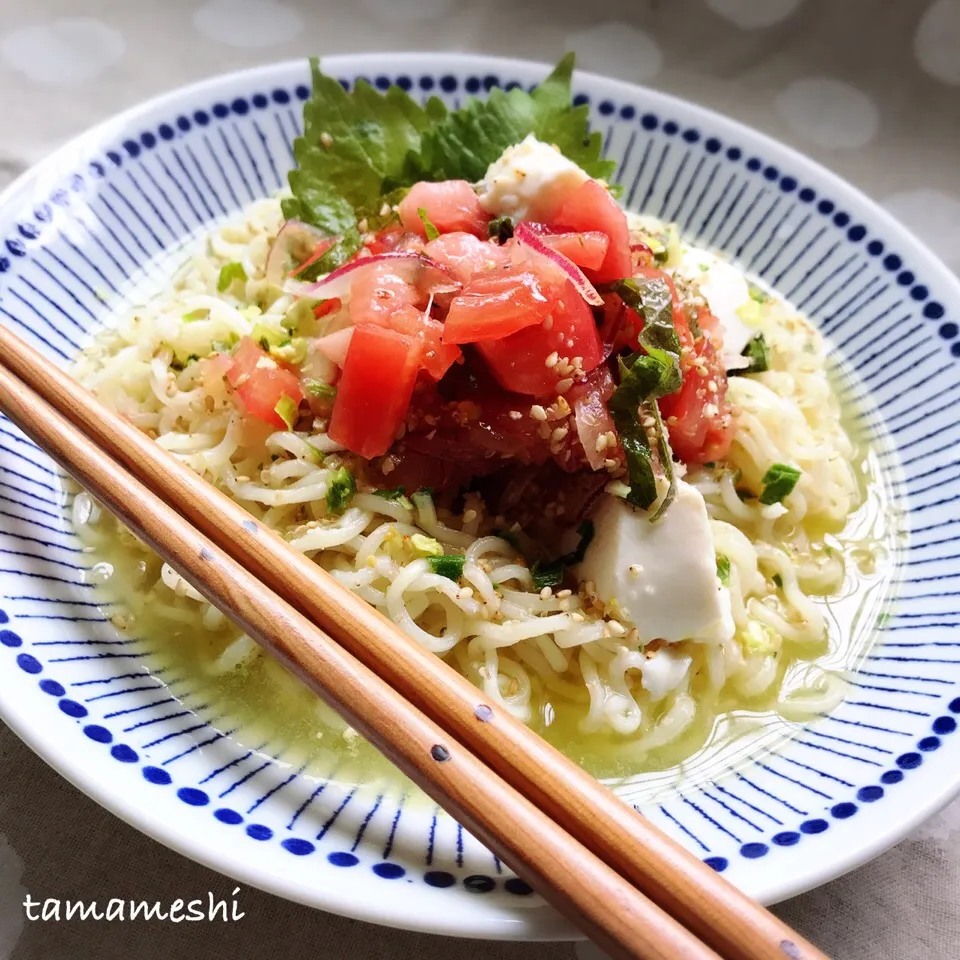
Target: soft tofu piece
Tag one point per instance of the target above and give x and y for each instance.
(664, 672)
(662, 576)
(725, 289)
(529, 181)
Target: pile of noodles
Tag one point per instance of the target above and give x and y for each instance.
(522, 646)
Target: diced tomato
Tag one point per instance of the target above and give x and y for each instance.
(378, 292)
(436, 357)
(374, 392)
(464, 255)
(497, 304)
(261, 383)
(588, 249)
(519, 361)
(387, 240)
(451, 205)
(590, 207)
(698, 417)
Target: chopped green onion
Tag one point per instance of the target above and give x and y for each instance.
(424, 546)
(395, 496)
(547, 574)
(501, 229)
(778, 482)
(450, 566)
(317, 388)
(288, 410)
(343, 486)
(723, 568)
(757, 353)
(264, 333)
(318, 455)
(200, 314)
(230, 272)
(432, 231)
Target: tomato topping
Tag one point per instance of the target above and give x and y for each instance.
(374, 391)
(450, 206)
(519, 361)
(377, 293)
(261, 383)
(590, 207)
(587, 250)
(436, 357)
(464, 255)
(497, 304)
(387, 240)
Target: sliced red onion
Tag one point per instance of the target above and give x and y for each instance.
(528, 238)
(289, 245)
(412, 267)
(334, 346)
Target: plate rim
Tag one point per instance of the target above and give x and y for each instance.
(109, 129)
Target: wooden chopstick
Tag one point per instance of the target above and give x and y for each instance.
(592, 895)
(702, 901)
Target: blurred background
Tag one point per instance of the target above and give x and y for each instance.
(870, 88)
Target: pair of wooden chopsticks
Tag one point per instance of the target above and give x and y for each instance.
(631, 889)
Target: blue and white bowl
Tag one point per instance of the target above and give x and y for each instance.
(80, 228)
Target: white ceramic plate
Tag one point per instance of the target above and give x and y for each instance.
(77, 231)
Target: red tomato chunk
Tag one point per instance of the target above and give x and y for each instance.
(450, 206)
(260, 383)
(374, 392)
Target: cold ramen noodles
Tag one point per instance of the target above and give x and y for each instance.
(589, 465)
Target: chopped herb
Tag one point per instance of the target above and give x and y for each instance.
(360, 149)
(778, 580)
(396, 496)
(547, 574)
(757, 353)
(293, 351)
(230, 272)
(882, 620)
(317, 388)
(450, 566)
(501, 229)
(778, 482)
(432, 231)
(643, 378)
(710, 465)
(660, 252)
(318, 455)
(194, 315)
(287, 409)
(756, 294)
(653, 302)
(343, 486)
(723, 568)
(424, 546)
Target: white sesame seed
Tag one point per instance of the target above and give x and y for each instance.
(616, 628)
(326, 140)
(546, 593)
(635, 569)
(537, 412)
(559, 434)
(563, 594)
(601, 443)
(548, 323)
(551, 361)
(469, 516)
(515, 415)
(565, 384)
(609, 464)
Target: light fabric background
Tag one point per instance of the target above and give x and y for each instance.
(871, 88)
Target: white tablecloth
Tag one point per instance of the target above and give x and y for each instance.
(869, 87)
